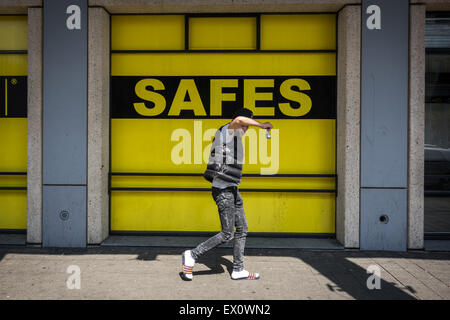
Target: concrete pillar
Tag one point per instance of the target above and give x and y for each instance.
(64, 123)
(384, 125)
(34, 147)
(98, 125)
(348, 126)
(416, 127)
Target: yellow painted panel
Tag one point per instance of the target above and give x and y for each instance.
(223, 64)
(13, 144)
(147, 32)
(13, 158)
(145, 145)
(298, 32)
(13, 203)
(13, 64)
(13, 180)
(13, 33)
(13, 209)
(196, 211)
(222, 33)
(306, 146)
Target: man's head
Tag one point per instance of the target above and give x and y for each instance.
(243, 112)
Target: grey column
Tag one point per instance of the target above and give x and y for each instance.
(348, 126)
(34, 122)
(98, 125)
(416, 127)
(384, 124)
(64, 122)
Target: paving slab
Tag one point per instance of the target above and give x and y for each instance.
(124, 273)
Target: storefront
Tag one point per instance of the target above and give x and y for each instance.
(170, 95)
(123, 152)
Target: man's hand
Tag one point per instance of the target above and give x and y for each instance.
(266, 125)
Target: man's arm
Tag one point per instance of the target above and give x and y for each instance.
(241, 121)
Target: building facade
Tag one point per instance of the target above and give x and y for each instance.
(109, 108)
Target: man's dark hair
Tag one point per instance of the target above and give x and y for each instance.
(243, 112)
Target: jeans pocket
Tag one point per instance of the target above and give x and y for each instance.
(224, 199)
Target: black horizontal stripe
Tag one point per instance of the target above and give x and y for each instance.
(322, 95)
(12, 173)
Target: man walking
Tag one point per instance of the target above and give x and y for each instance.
(224, 170)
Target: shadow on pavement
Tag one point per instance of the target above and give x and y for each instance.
(345, 275)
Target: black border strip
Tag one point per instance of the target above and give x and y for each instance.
(13, 231)
(437, 50)
(186, 34)
(433, 13)
(13, 51)
(258, 32)
(436, 236)
(12, 173)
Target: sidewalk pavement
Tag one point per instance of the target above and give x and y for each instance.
(153, 273)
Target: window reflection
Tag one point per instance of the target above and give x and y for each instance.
(437, 124)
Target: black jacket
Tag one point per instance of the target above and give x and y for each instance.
(223, 161)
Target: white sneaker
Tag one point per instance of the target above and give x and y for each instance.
(244, 275)
(188, 264)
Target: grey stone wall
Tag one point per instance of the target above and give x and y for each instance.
(98, 126)
(34, 143)
(348, 126)
(416, 127)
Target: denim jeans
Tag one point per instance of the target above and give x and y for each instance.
(231, 213)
